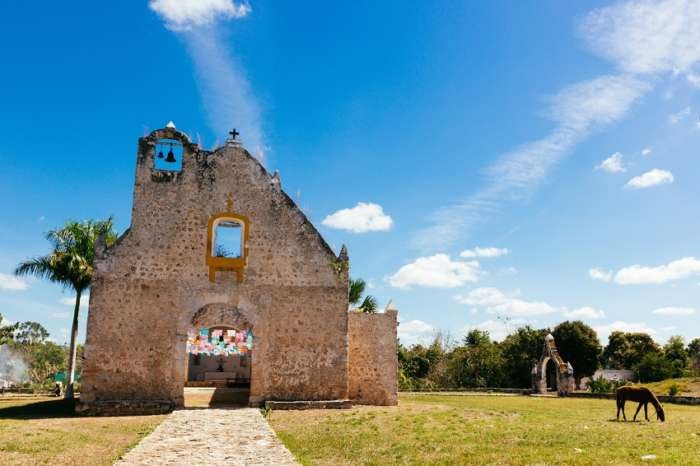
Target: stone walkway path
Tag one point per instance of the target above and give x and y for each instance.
(211, 436)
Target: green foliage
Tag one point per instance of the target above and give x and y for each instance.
(521, 350)
(369, 305)
(357, 289)
(653, 367)
(677, 355)
(674, 390)
(478, 364)
(70, 263)
(578, 344)
(625, 350)
(601, 385)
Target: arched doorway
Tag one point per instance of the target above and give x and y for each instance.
(551, 371)
(218, 357)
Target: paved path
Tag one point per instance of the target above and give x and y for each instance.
(211, 436)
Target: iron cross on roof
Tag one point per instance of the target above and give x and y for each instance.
(233, 134)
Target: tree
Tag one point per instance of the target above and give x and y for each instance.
(626, 350)
(694, 355)
(653, 367)
(676, 354)
(30, 333)
(7, 331)
(70, 264)
(578, 344)
(521, 350)
(357, 289)
(477, 364)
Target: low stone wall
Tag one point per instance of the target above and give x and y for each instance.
(514, 391)
(290, 405)
(124, 407)
(680, 400)
(372, 359)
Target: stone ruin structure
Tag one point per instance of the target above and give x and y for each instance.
(561, 378)
(220, 262)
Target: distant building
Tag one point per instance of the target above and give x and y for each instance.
(615, 375)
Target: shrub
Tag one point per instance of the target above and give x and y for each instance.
(674, 389)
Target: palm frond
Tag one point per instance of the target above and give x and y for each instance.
(369, 305)
(357, 288)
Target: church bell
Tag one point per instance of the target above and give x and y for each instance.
(171, 156)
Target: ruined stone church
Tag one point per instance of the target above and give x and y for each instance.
(221, 280)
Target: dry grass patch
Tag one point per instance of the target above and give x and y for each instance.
(443, 429)
(46, 431)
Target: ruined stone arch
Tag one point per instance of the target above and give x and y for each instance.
(565, 372)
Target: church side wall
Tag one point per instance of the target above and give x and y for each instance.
(372, 358)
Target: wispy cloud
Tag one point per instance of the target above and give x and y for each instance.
(599, 274)
(642, 39)
(495, 301)
(675, 311)
(484, 252)
(225, 90)
(679, 116)
(612, 164)
(651, 178)
(12, 283)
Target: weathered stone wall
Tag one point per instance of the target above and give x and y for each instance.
(372, 358)
(148, 288)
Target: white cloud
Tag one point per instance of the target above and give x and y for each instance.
(12, 283)
(651, 178)
(675, 311)
(668, 328)
(497, 329)
(604, 331)
(675, 270)
(646, 151)
(677, 117)
(599, 274)
(60, 315)
(612, 164)
(694, 80)
(225, 91)
(70, 301)
(484, 252)
(577, 110)
(585, 313)
(494, 300)
(415, 332)
(364, 217)
(646, 36)
(185, 14)
(438, 271)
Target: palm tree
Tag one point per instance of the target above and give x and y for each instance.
(357, 289)
(70, 264)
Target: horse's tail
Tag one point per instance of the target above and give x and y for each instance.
(620, 396)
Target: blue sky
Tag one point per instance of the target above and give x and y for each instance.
(487, 165)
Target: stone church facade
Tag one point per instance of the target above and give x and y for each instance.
(165, 279)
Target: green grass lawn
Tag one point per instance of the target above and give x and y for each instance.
(45, 431)
(688, 386)
(482, 429)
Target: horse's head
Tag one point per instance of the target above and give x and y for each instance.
(660, 415)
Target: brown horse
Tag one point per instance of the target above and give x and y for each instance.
(641, 395)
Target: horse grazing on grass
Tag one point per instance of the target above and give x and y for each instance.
(641, 395)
